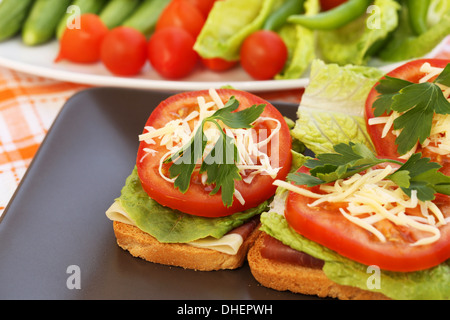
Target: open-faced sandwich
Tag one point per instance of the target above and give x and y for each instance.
(353, 223)
(204, 172)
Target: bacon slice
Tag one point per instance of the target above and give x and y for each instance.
(276, 250)
(247, 228)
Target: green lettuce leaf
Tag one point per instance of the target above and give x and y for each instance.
(332, 107)
(355, 42)
(300, 42)
(405, 45)
(229, 23)
(172, 226)
(433, 283)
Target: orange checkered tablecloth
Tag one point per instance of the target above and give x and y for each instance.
(28, 107)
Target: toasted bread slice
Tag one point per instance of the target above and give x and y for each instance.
(141, 244)
(284, 276)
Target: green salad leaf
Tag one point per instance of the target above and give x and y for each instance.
(228, 24)
(332, 107)
(405, 45)
(172, 226)
(300, 42)
(357, 41)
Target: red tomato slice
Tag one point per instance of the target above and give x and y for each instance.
(387, 146)
(325, 225)
(197, 200)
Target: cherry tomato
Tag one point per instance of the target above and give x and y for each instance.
(82, 45)
(263, 54)
(325, 225)
(204, 6)
(171, 53)
(197, 200)
(181, 13)
(326, 5)
(124, 51)
(386, 146)
(218, 64)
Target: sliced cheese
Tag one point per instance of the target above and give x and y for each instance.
(229, 244)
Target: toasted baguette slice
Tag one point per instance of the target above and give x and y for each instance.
(284, 276)
(141, 244)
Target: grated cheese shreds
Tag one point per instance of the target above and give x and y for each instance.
(439, 140)
(371, 198)
(253, 156)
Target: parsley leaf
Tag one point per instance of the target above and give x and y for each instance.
(417, 173)
(347, 160)
(220, 163)
(419, 102)
(237, 120)
(444, 77)
(220, 170)
(416, 102)
(424, 177)
(388, 88)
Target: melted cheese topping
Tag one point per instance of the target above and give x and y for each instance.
(251, 146)
(439, 139)
(371, 198)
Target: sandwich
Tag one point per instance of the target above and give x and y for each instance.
(366, 218)
(204, 172)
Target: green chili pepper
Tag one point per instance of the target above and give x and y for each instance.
(334, 18)
(417, 12)
(279, 17)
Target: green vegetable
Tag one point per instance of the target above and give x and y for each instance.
(332, 107)
(431, 284)
(84, 6)
(300, 42)
(144, 18)
(40, 25)
(12, 15)
(355, 42)
(418, 12)
(405, 44)
(117, 11)
(416, 102)
(279, 17)
(220, 163)
(228, 24)
(172, 226)
(417, 173)
(334, 18)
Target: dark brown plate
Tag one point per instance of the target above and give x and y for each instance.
(57, 219)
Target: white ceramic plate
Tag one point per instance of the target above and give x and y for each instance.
(39, 61)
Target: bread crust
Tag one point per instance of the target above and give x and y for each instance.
(284, 276)
(143, 245)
